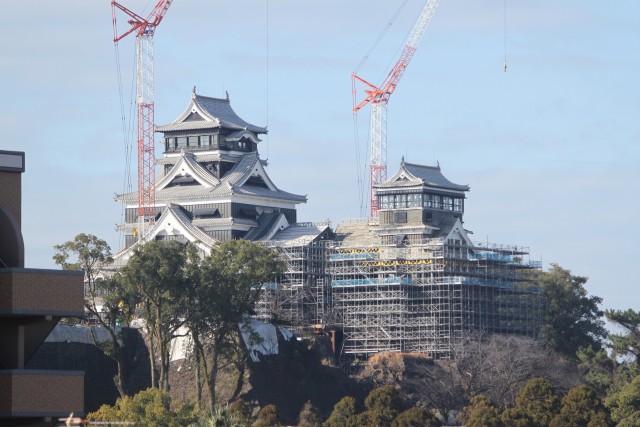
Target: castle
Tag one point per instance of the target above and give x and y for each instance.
(411, 280)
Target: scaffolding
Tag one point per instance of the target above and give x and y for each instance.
(423, 295)
(297, 298)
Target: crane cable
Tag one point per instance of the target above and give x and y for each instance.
(267, 77)
(505, 36)
(127, 138)
(360, 167)
(380, 36)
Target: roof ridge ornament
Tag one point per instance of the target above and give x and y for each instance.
(193, 94)
(226, 92)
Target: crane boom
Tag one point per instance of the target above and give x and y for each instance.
(144, 30)
(378, 97)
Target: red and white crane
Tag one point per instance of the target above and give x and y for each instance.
(144, 30)
(378, 97)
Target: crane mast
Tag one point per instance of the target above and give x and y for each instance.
(378, 97)
(144, 30)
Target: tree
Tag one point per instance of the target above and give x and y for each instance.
(626, 344)
(221, 417)
(344, 413)
(149, 408)
(383, 406)
(536, 405)
(268, 417)
(157, 273)
(625, 404)
(498, 366)
(309, 416)
(416, 417)
(572, 317)
(104, 298)
(228, 288)
(581, 406)
(481, 413)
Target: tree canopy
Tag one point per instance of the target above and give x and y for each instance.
(572, 318)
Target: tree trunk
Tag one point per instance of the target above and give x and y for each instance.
(213, 374)
(152, 356)
(120, 377)
(197, 348)
(163, 345)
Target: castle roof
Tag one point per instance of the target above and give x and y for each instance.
(411, 175)
(204, 112)
(206, 186)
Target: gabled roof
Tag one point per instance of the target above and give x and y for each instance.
(173, 221)
(268, 225)
(187, 165)
(204, 112)
(235, 182)
(410, 175)
(300, 234)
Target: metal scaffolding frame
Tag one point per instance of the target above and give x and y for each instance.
(418, 296)
(422, 296)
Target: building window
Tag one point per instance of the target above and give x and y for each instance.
(192, 141)
(400, 201)
(181, 142)
(457, 205)
(436, 201)
(386, 202)
(205, 140)
(447, 203)
(414, 200)
(400, 217)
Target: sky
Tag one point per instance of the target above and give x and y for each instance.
(550, 148)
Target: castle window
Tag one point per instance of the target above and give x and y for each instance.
(447, 203)
(400, 217)
(436, 201)
(181, 142)
(400, 201)
(192, 141)
(457, 205)
(205, 140)
(386, 202)
(414, 200)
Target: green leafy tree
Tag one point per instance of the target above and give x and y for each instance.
(157, 273)
(628, 343)
(309, 416)
(625, 404)
(481, 412)
(228, 287)
(149, 408)
(416, 417)
(580, 407)
(105, 300)
(599, 368)
(516, 417)
(344, 413)
(268, 417)
(241, 410)
(384, 404)
(539, 401)
(221, 417)
(572, 318)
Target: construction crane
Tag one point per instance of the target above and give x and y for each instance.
(378, 97)
(144, 30)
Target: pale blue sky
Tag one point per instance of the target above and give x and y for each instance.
(550, 148)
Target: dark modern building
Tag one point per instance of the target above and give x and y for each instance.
(32, 302)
